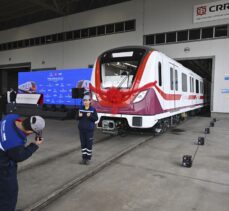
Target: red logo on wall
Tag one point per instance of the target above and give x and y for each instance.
(201, 10)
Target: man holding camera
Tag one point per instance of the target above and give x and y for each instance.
(13, 149)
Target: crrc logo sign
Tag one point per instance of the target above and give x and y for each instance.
(201, 10)
(211, 11)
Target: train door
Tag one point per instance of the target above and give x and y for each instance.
(197, 91)
(173, 83)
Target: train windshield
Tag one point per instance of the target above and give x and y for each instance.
(118, 69)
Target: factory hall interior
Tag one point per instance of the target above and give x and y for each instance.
(118, 105)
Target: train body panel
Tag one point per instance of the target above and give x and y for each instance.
(139, 86)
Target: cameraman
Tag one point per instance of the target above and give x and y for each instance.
(13, 149)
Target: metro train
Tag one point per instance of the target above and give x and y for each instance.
(139, 87)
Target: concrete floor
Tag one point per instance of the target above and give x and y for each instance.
(60, 137)
(150, 177)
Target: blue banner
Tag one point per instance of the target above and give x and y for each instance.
(55, 85)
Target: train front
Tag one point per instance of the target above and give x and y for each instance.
(119, 94)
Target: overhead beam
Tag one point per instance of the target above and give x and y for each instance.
(56, 4)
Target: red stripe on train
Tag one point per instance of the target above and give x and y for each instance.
(175, 96)
(140, 71)
(168, 96)
(192, 97)
(97, 74)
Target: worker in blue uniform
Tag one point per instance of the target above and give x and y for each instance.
(87, 117)
(13, 149)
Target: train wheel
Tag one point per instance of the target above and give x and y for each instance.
(165, 125)
(161, 127)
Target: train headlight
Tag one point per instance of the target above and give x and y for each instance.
(140, 96)
(94, 97)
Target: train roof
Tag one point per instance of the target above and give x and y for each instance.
(129, 47)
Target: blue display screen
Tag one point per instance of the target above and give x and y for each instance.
(55, 85)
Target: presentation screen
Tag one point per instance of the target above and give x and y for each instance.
(55, 85)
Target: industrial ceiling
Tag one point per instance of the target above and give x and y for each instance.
(14, 13)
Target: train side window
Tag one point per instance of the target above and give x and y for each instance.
(159, 74)
(190, 81)
(171, 78)
(184, 82)
(197, 86)
(176, 80)
(192, 85)
(201, 87)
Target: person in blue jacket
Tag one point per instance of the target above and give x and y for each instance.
(87, 117)
(13, 149)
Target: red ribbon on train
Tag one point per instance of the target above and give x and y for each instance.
(116, 98)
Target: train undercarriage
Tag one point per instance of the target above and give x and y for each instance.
(115, 126)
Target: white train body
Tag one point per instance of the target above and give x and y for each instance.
(154, 87)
